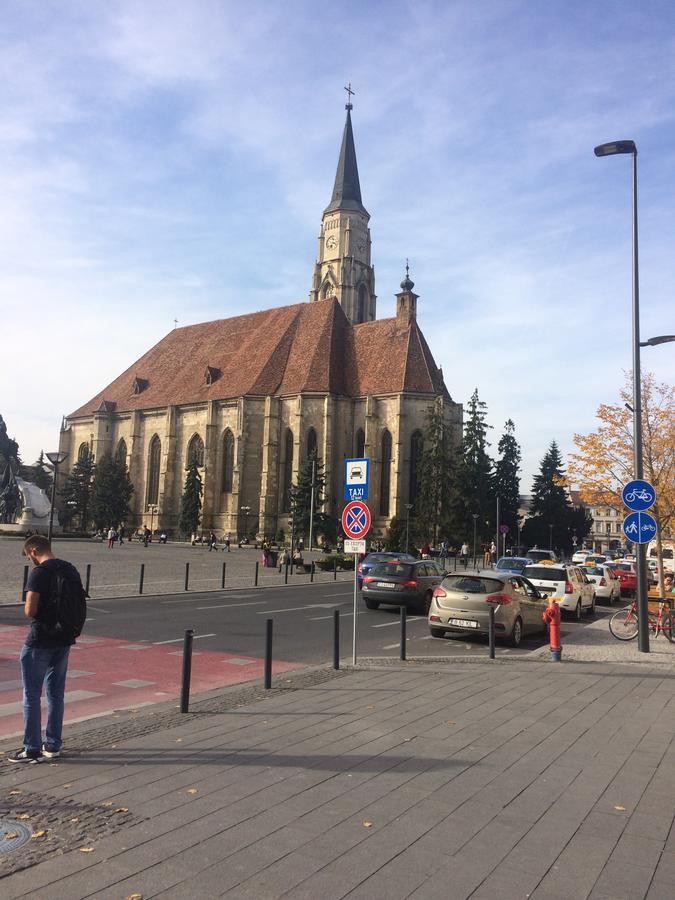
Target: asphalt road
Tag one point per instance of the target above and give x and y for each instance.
(234, 622)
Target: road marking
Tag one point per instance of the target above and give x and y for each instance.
(267, 612)
(178, 640)
(340, 594)
(350, 612)
(232, 605)
(237, 595)
(392, 646)
(398, 622)
(96, 609)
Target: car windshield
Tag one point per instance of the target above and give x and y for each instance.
(507, 562)
(392, 569)
(472, 584)
(539, 554)
(382, 557)
(544, 573)
(623, 567)
(593, 570)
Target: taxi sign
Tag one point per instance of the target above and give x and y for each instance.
(355, 520)
(355, 546)
(357, 472)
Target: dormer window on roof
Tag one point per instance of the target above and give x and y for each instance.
(211, 374)
(140, 385)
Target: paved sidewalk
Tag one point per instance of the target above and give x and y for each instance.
(500, 780)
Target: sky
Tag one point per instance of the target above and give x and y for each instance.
(165, 161)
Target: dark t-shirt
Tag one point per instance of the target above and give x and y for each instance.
(39, 581)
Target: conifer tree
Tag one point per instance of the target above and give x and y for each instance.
(110, 493)
(553, 519)
(301, 501)
(191, 501)
(76, 492)
(507, 480)
(435, 477)
(42, 477)
(473, 493)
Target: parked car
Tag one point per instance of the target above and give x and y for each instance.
(579, 557)
(372, 559)
(606, 583)
(402, 583)
(627, 575)
(538, 555)
(461, 604)
(513, 564)
(568, 585)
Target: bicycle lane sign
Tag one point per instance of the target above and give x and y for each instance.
(638, 495)
(639, 527)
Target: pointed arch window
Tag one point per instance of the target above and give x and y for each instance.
(311, 443)
(83, 452)
(385, 473)
(362, 304)
(121, 453)
(287, 480)
(416, 448)
(228, 461)
(154, 459)
(195, 451)
(360, 443)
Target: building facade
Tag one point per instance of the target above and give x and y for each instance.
(250, 398)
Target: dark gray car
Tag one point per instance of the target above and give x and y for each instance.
(402, 584)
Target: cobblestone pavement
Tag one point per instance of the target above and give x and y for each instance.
(497, 780)
(117, 572)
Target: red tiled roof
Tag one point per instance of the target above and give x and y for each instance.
(307, 347)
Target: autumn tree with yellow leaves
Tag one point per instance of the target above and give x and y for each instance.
(603, 461)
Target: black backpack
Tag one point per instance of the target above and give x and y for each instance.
(67, 601)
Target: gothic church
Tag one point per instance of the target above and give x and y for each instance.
(250, 397)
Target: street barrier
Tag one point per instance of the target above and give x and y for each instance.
(141, 579)
(187, 575)
(187, 671)
(491, 630)
(222, 578)
(88, 579)
(268, 653)
(404, 628)
(336, 638)
(255, 579)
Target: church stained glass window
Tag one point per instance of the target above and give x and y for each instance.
(311, 443)
(195, 451)
(228, 461)
(83, 452)
(121, 453)
(385, 473)
(154, 460)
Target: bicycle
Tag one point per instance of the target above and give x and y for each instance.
(642, 495)
(623, 625)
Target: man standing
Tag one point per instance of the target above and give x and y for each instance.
(464, 554)
(44, 656)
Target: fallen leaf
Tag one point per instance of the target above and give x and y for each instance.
(66, 785)
(38, 834)
(192, 791)
(179, 740)
(122, 809)
(10, 835)
(86, 849)
(14, 793)
(107, 803)
(23, 817)
(620, 808)
(370, 707)
(75, 819)
(367, 824)
(450, 722)
(53, 764)
(134, 897)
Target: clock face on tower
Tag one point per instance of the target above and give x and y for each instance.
(331, 242)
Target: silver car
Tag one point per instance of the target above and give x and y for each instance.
(461, 604)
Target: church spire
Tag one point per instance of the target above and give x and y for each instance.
(347, 189)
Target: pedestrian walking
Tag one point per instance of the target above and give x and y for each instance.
(111, 538)
(464, 554)
(120, 536)
(228, 541)
(55, 601)
(493, 552)
(213, 542)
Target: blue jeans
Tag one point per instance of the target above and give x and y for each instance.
(39, 666)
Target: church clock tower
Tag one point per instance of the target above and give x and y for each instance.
(343, 269)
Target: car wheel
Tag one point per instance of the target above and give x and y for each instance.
(371, 604)
(516, 636)
(437, 632)
(425, 604)
(578, 610)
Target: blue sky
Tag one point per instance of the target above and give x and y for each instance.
(165, 160)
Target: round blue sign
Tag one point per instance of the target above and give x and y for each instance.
(638, 495)
(639, 527)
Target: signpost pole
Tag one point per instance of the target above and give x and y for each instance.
(311, 507)
(356, 593)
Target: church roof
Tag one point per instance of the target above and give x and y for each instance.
(304, 348)
(347, 189)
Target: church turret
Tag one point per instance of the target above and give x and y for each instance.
(343, 268)
(406, 301)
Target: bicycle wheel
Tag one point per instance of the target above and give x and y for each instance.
(624, 624)
(667, 625)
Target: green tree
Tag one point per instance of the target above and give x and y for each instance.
(435, 476)
(191, 501)
(473, 492)
(76, 492)
(394, 539)
(110, 493)
(41, 476)
(301, 500)
(507, 480)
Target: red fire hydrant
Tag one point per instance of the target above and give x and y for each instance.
(551, 616)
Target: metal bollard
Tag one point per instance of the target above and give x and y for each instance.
(286, 574)
(222, 578)
(336, 638)
(187, 671)
(455, 569)
(187, 575)
(255, 580)
(404, 628)
(142, 579)
(88, 578)
(311, 572)
(335, 570)
(268, 654)
(491, 630)
(25, 582)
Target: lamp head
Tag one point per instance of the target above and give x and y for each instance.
(615, 147)
(57, 457)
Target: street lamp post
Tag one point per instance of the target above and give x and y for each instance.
(408, 507)
(246, 510)
(475, 519)
(55, 459)
(613, 149)
(550, 537)
(152, 509)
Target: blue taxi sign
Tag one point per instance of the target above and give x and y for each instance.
(357, 472)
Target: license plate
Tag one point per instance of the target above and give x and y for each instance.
(387, 584)
(463, 623)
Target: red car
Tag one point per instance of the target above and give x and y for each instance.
(625, 572)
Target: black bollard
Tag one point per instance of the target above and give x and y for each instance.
(255, 580)
(141, 579)
(25, 582)
(286, 574)
(491, 630)
(268, 654)
(222, 578)
(311, 572)
(88, 579)
(335, 570)
(187, 575)
(187, 671)
(336, 638)
(404, 626)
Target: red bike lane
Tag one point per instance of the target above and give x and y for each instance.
(105, 675)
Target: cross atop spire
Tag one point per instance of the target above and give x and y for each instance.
(350, 93)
